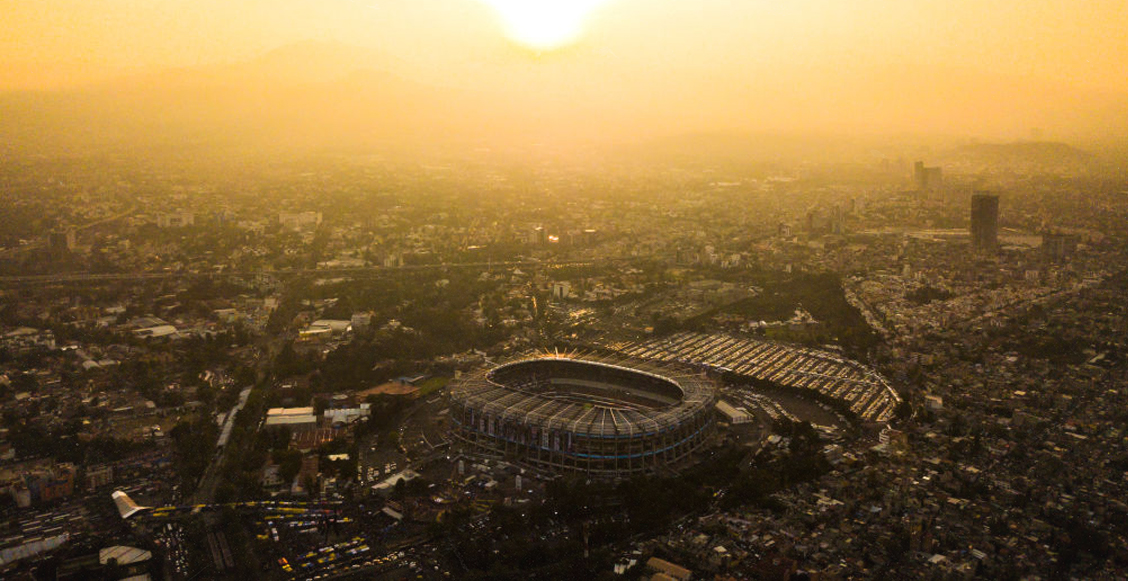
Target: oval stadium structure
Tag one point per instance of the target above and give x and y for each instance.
(583, 414)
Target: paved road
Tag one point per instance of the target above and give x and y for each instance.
(83, 278)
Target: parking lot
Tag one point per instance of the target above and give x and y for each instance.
(866, 393)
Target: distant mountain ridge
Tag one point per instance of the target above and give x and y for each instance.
(303, 94)
(1025, 157)
(1030, 150)
(316, 94)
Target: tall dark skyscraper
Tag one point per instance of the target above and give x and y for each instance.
(985, 222)
(60, 243)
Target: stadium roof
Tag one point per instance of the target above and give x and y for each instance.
(591, 418)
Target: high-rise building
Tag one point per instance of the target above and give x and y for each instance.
(927, 179)
(538, 236)
(61, 242)
(984, 222)
(1057, 247)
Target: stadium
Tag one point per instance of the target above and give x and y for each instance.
(583, 414)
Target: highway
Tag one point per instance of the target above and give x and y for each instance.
(86, 278)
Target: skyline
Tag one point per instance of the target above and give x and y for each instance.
(563, 289)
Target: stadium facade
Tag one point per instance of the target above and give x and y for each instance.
(604, 418)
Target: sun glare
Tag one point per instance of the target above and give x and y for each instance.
(543, 24)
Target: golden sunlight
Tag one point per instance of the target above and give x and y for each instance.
(543, 24)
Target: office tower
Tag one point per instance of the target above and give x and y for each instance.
(984, 222)
(538, 236)
(1058, 247)
(927, 178)
(61, 242)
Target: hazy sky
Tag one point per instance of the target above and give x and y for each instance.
(1078, 42)
(976, 67)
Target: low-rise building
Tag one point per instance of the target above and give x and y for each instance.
(302, 418)
(734, 415)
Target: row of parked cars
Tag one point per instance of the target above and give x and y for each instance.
(865, 392)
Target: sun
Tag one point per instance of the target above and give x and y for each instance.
(543, 24)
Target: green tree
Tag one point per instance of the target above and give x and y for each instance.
(289, 464)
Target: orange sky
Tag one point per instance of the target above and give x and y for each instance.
(1077, 42)
(891, 59)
